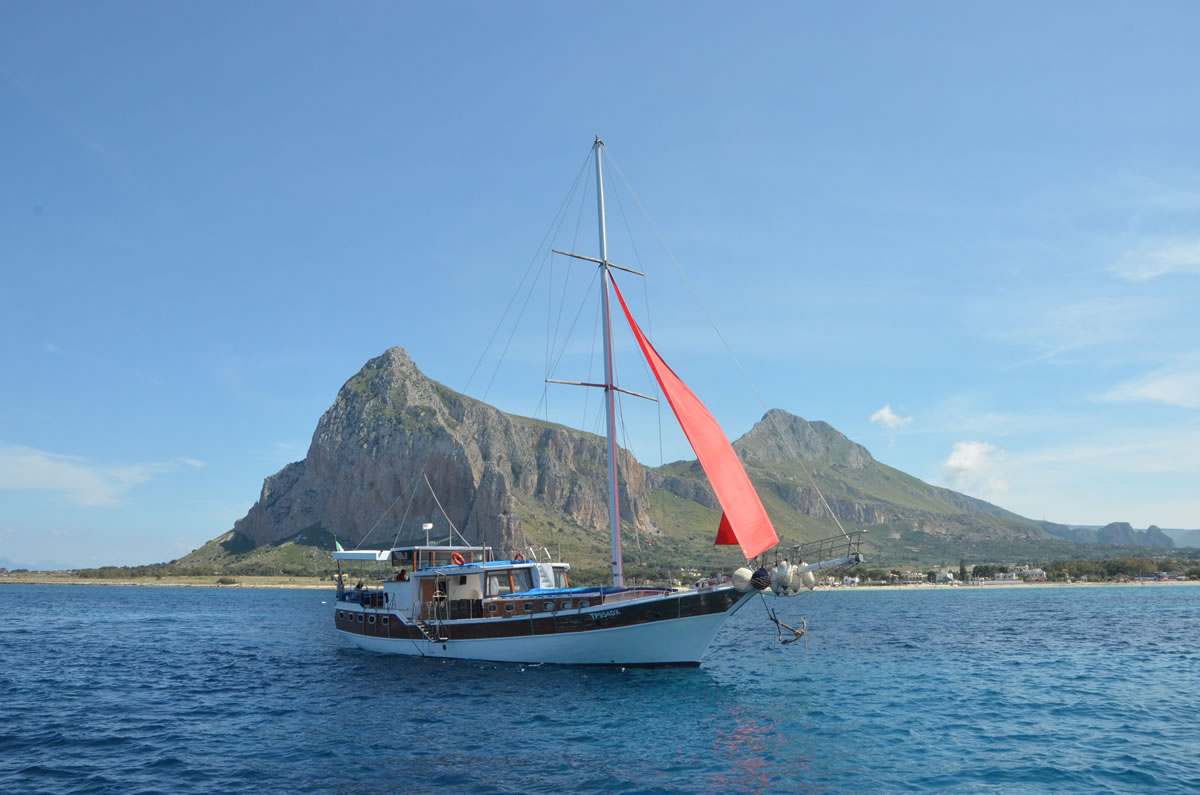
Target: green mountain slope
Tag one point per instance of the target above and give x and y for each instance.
(516, 483)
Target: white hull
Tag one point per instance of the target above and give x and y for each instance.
(673, 641)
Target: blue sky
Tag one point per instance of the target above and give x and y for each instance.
(966, 235)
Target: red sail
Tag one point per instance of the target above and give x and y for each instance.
(745, 521)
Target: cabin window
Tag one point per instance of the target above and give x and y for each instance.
(370, 619)
(508, 608)
(567, 605)
(360, 618)
(341, 615)
(385, 621)
(462, 580)
(499, 584)
(522, 580)
(548, 606)
(492, 608)
(529, 607)
(560, 578)
(584, 603)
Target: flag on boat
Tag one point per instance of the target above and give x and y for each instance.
(744, 521)
(337, 546)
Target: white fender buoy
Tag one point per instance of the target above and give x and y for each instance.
(802, 580)
(741, 579)
(781, 578)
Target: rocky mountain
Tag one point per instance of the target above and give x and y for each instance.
(512, 482)
(390, 428)
(1184, 538)
(1120, 533)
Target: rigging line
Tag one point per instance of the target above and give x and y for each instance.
(728, 348)
(637, 255)
(574, 245)
(551, 364)
(587, 296)
(553, 224)
(412, 498)
(653, 387)
(403, 519)
(628, 453)
(363, 540)
(443, 510)
(549, 341)
(591, 356)
(646, 300)
(562, 352)
(513, 333)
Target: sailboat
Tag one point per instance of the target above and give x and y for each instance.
(459, 602)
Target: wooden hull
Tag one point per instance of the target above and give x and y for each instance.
(668, 629)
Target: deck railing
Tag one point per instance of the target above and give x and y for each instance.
(826, 549)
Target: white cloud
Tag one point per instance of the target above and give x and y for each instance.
(888, 418)
(1157, 258)
(1174, 386)
(193, 462)
(976, 468)
(82, 483)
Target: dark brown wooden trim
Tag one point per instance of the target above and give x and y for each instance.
(684, 605)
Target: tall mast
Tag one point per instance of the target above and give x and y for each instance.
(614, 496)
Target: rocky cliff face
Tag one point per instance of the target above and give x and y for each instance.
(783, 438)
(1123, 533)
(1120, 533)
(505, 481)
(390, 426)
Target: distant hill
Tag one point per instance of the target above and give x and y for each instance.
(1114, 533)
(1184, 538)
(514, 482)
(41, 565)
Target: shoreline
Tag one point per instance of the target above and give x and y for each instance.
(320, 584)
(1002, 585)
(243, 581)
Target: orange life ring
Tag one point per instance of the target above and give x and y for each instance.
(517, 558)
(457, 559)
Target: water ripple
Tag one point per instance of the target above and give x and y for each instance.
(199, 690)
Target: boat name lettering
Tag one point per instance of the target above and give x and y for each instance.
(605, 614)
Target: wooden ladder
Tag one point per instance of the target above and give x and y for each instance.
(428, 636)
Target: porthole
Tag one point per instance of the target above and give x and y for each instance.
(360, 618)
(548, 606)
(341, 615)
(584, 603)
(385, 621)
(567, 605)
(370, 619)
(492, 608)
(510, 607)
(529, 607)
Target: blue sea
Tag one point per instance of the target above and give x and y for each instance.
(126, 689)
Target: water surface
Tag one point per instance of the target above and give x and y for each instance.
(128, 689)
